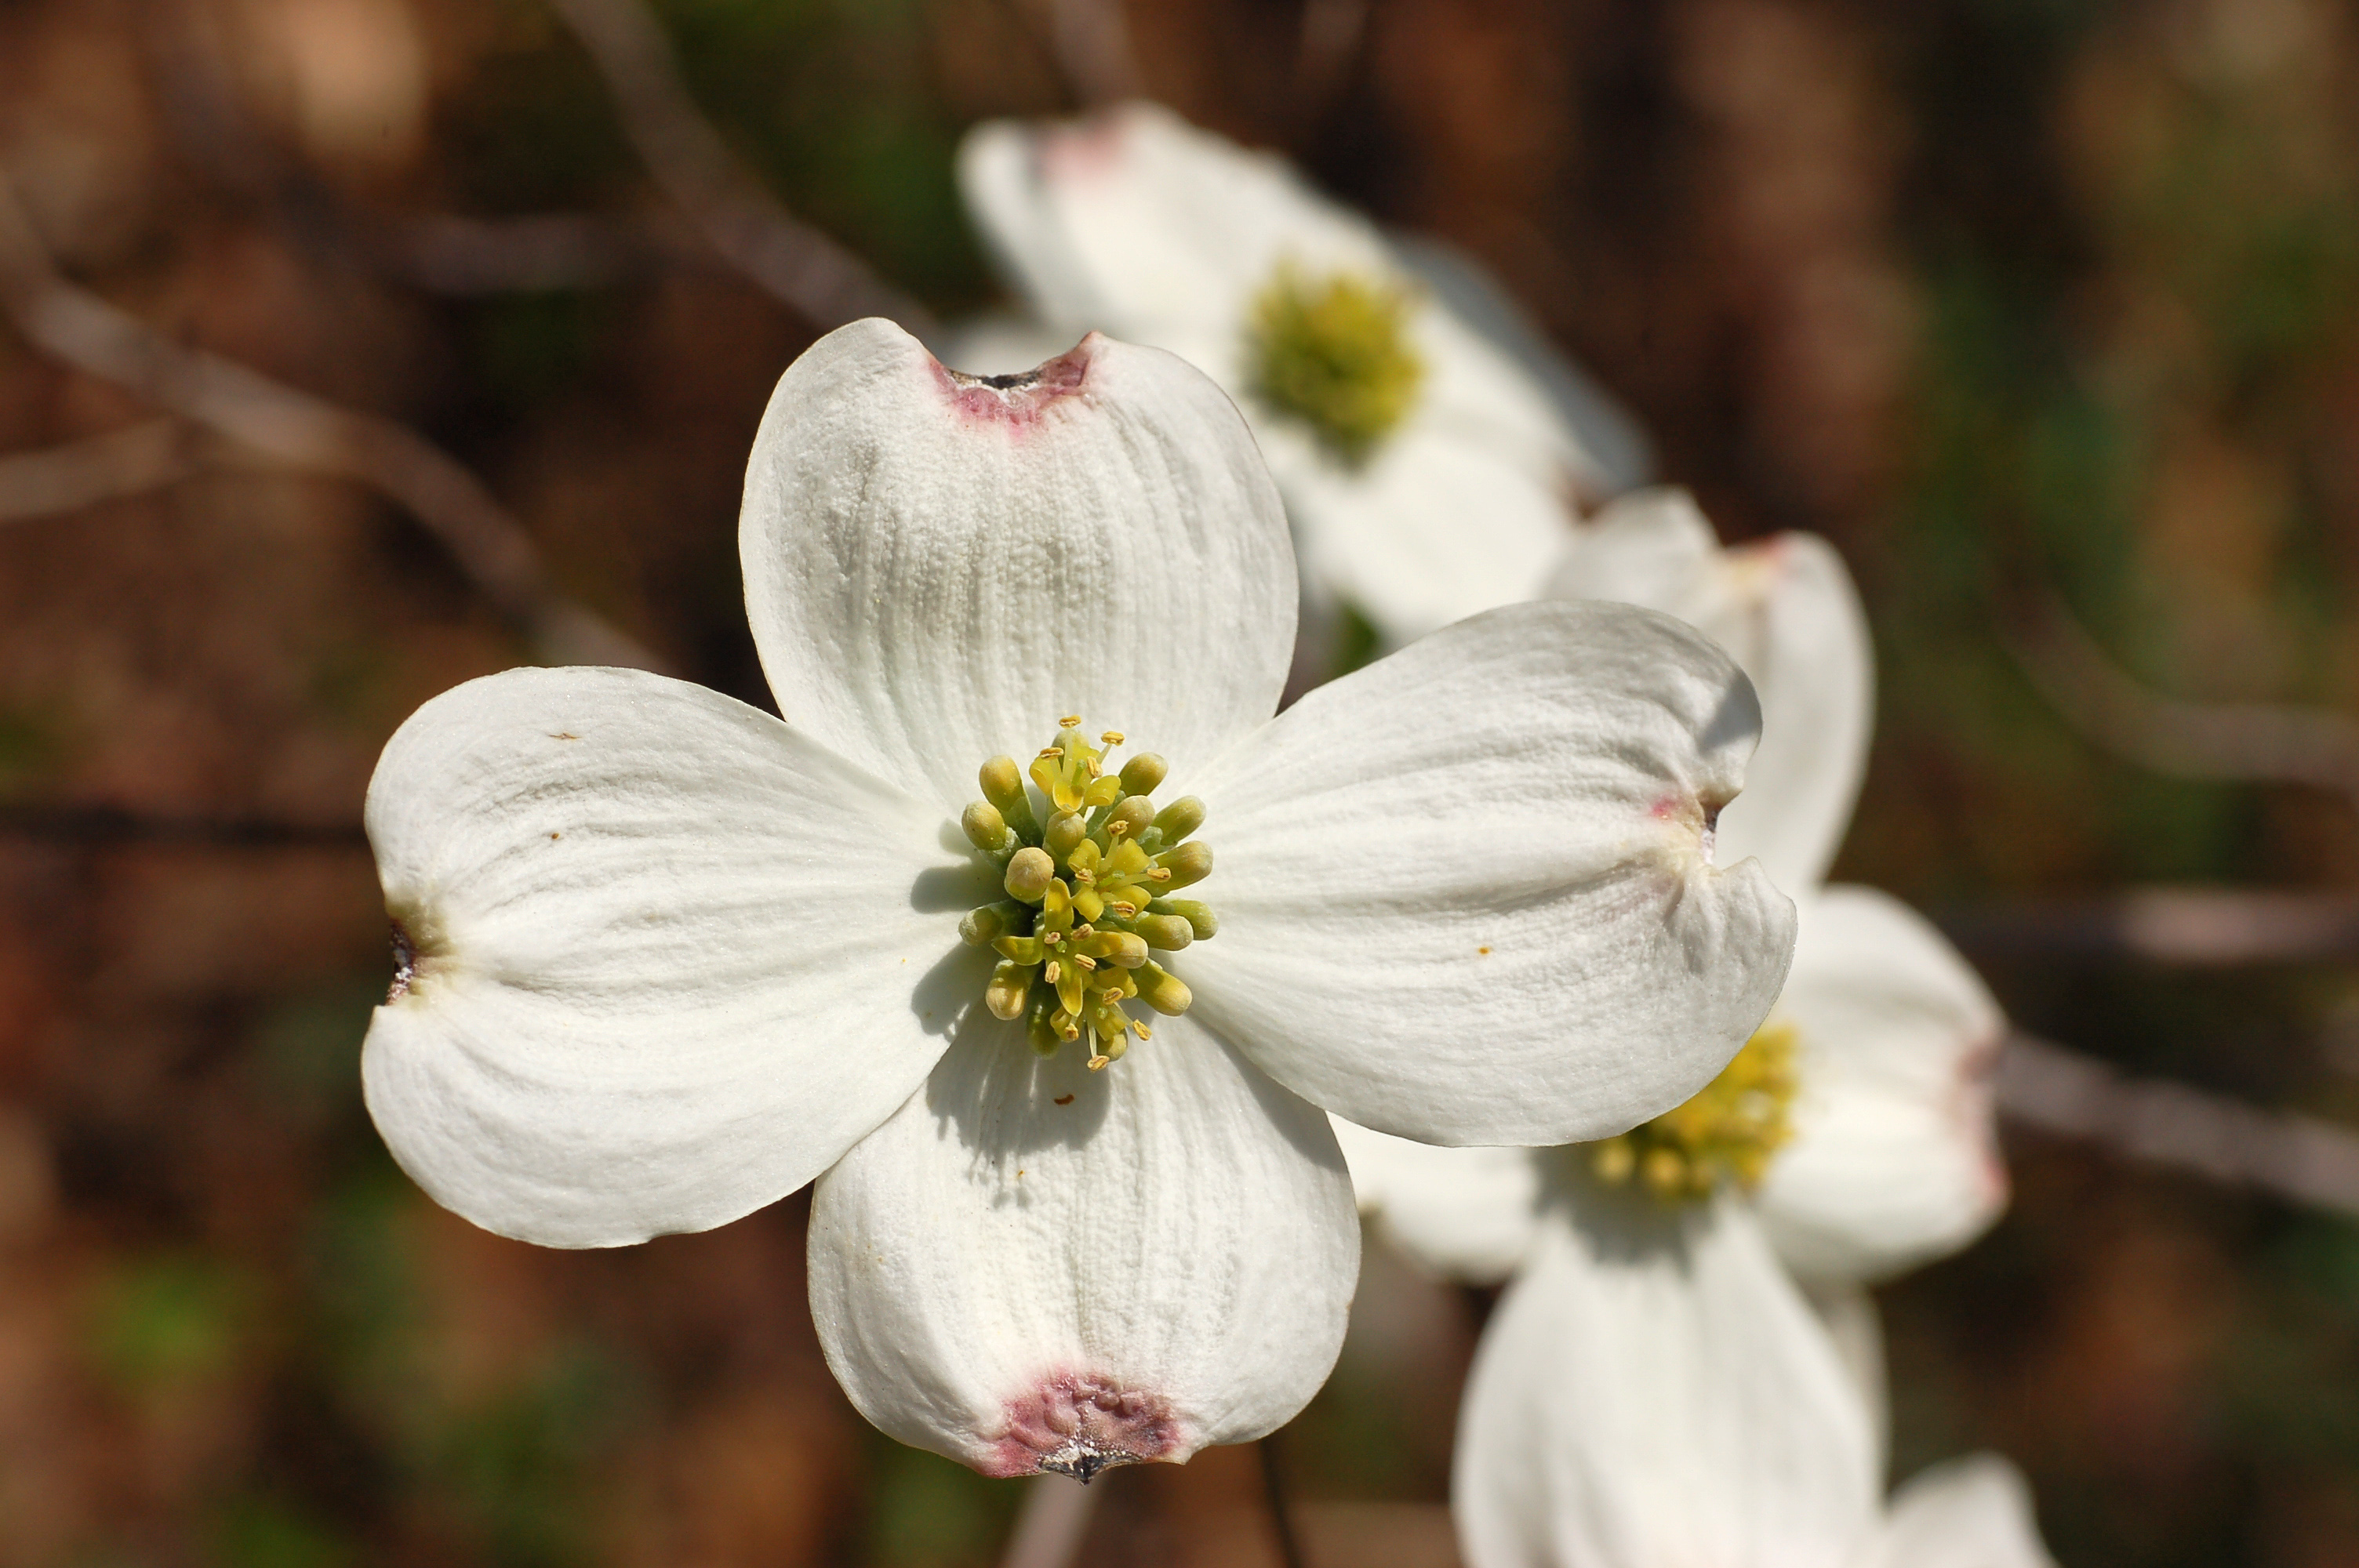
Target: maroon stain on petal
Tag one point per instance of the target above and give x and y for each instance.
(1077, 1425)
(1016, 402)
(404, 963)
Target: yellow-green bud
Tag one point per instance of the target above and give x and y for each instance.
(1122, 947)
(1029, 872)
(1166, 932)
(1198, 916)
(1064, 835)
(1003, 786)
(1188, 864)
(1010, 983)
(1142, 773)
(1180, 818)
(985, 828)
(1132, 817)
(1162, 990)
(982, 925)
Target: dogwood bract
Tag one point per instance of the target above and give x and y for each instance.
(1429, 475)
(666, 959)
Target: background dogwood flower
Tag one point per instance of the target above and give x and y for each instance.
(668, 958)
(1888, 1158)
(1428, 473)
(1851, 1140)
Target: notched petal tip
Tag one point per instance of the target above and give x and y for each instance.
(1078, 1425)
(1019, 400)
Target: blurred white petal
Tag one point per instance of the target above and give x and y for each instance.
(1895, 1156)
(1653, 1391)
(1471, 1214)
(1855, 1326)
(1973, 1512)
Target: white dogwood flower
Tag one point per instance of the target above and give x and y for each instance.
(666, 959)
(1653, 1389)
(1428, 474)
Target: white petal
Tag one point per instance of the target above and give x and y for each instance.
(1463, 891)
(1471, 1214)
(1616, 454)
(1855, 1327)
(1785, 611)
(1134, 220)
(1433, 529)
(1895, 1156)
(674, 958)
(1653, 1391)
(937, 569)
(1176, 1236)
(1973, 1512)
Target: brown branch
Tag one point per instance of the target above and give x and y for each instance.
(445, 253)
(2241, 742)
(1089, 41)
(2204, 927)
(138, 457)
(1050, 1522)
(1333, 33)
(108, 824)
(2297, 1158)
(820, 279)
(303, 432)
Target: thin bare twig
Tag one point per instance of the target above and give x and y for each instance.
(1332, 34)
(2298, 1158)
(104, 825)
(1090, 40)
(2242, 742)
(820, 279)
(1049, 1525)
(304, 432)
(1281, 1513)
(2202, 927)
(444, 254)
(137, 458)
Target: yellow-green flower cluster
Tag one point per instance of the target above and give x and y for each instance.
(1087, 892)
(1726, 1133)
(1334, 353)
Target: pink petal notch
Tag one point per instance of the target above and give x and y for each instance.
(1077, 1425)
(1019, 401)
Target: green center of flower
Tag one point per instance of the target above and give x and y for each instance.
(1087, 870)
(1334, 353)
(1728, 1133)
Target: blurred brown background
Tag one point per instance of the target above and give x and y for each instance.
(2017, 300)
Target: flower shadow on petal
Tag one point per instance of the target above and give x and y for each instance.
(1626, 1226)
(1004, 1098)
(1739, 718)
(954, 982)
